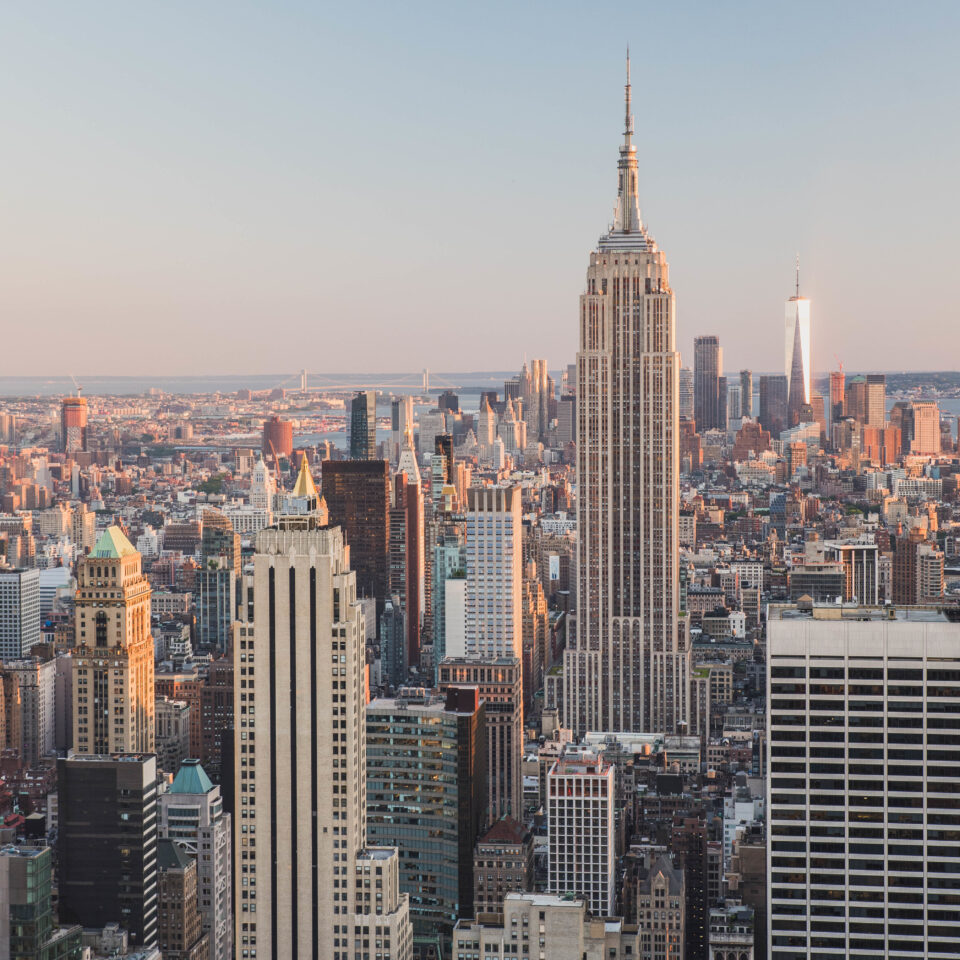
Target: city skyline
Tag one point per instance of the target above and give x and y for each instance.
(216, 231)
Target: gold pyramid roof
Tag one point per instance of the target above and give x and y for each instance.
(304, 487)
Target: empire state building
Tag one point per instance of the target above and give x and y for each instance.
(628, 668)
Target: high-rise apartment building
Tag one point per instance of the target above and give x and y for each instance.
(107, 842)
(35, 682)
(773, 404)
(73, 424)
(707, 370)
(113, 693)
(918, 569)
(306, 884)
(501, 692)
(19, 612)
(686, 405)
(191, 813)
(628, 668)
(427, 796)
(746, 393)
(581, 795)
(796, 354)
(864, 707)
(357, 493)
(363, 426)
(494, 552)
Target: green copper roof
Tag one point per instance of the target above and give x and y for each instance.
(191, 778)
(114, 544)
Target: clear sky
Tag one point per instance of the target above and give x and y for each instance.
(254, 187)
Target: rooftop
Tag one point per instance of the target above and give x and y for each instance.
(813, 611)
(113, 545)
(191, 778)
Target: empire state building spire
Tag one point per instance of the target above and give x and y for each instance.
(627, 219)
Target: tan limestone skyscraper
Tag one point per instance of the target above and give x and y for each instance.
(628, 668)
(307, 885)
(113, 692)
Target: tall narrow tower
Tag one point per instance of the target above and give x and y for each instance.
(113, 655)
(629, 666)
(307, 885)
(796, 353)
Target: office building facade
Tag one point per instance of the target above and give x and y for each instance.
(864, 707)
(427, 796)
(107, 842)
(581, 795)
(19, 612)
(500, 683)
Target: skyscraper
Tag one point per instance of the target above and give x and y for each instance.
(686, 392)
(19, 612)
(218, 580)
(796, 354)
(836, 397)
(773, 404)
(363, 426)
(707, 368)
(628, 668)
(73, 424)
(306, 883)
(113, 654)
(864, 707)
(746, 393)
(401, 425)
(357, 493)
(407, 558)
(581, 799)
(494, 619)
(501, 691)
(427, 795)
(107, 842)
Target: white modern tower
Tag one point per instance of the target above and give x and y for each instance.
(796, 350)
(628, 668)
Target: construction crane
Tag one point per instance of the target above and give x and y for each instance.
(839, 363)
(79, 386)
(276, 464)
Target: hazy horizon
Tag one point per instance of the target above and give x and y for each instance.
(245, 188)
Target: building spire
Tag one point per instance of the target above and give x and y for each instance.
(798, 276)
(627, 217)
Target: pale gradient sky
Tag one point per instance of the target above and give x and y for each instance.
(253, 187)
